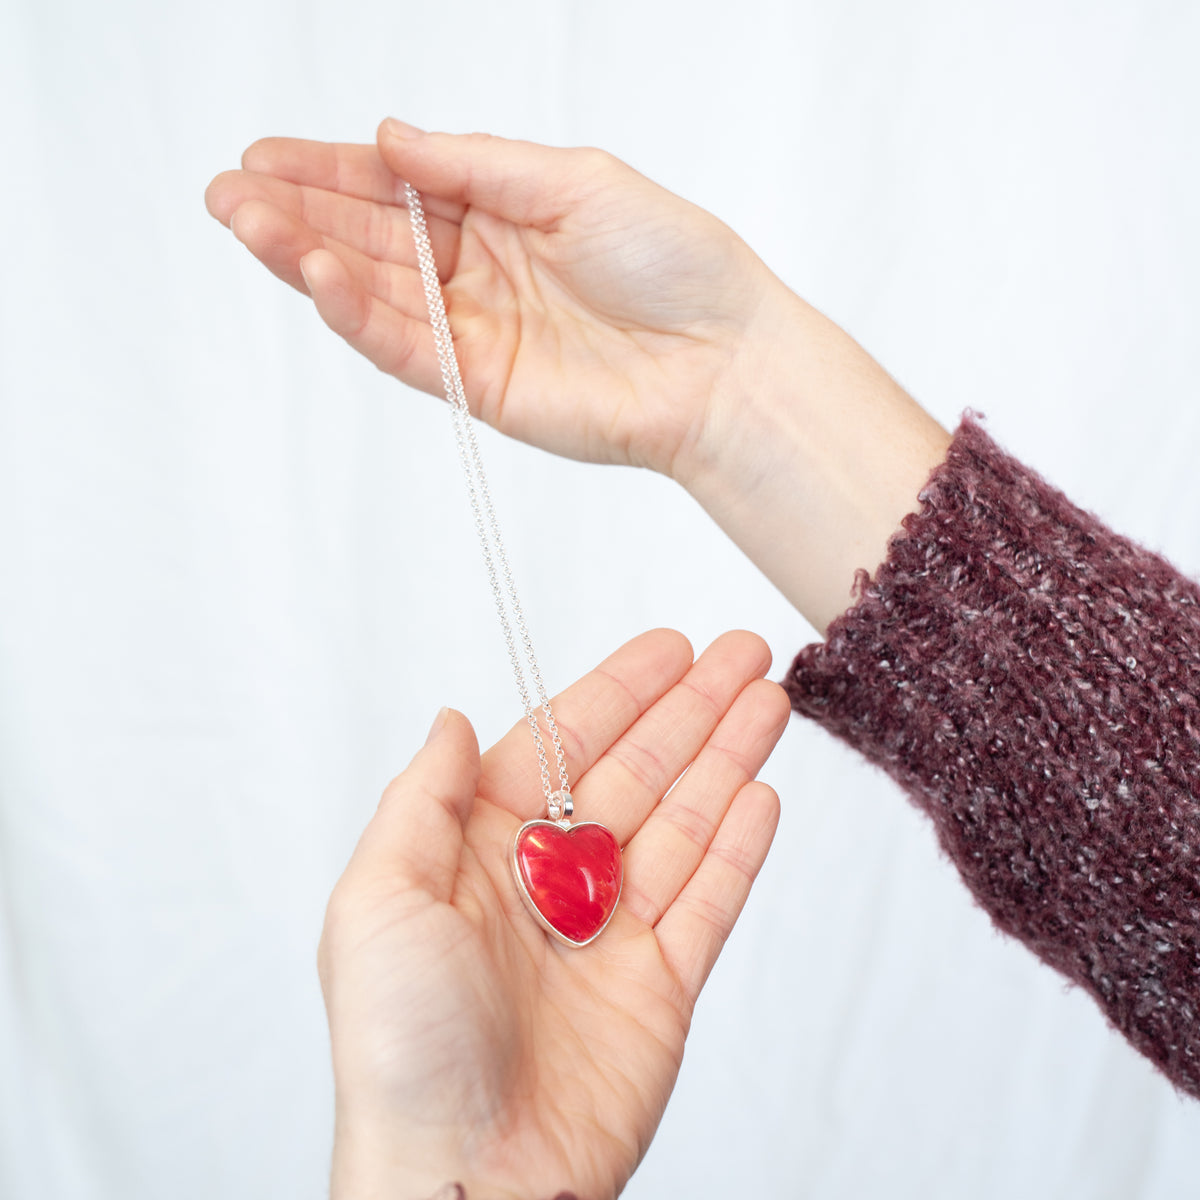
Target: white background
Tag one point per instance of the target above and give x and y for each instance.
(237, 575)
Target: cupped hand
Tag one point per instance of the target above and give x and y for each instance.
(594, 313)
(470, 1046)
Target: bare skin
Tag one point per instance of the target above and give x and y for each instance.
(469, 1046)
(600, 317)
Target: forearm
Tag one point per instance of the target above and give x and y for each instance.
(1030, 678)
(810, 456)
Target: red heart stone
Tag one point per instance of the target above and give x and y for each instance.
(570, 877)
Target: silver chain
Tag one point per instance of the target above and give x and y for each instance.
(486, 526)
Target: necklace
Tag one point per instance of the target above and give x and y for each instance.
(568, 875)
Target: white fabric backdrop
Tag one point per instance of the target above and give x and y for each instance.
(238, 577)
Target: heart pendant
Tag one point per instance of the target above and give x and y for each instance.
(570, 878)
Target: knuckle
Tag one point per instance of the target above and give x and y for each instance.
(594, 164)
(694, 827)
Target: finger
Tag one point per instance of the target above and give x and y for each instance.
(521, 182)
(279, 240)
(591, 714)
(666, 852)
(694, 929)
(276, 239)
(353, 170)
(342, 167)
(416, 835)
(622, 789)
(400, 345)
(375, 230)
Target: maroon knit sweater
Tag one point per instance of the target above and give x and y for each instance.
(1031, 680)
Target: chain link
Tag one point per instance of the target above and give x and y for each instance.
(487, 528)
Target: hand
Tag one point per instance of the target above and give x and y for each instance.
(594, 313)
(600, 317)
(470, 1046)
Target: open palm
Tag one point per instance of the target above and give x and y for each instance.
(467, 1044)
(594, 313)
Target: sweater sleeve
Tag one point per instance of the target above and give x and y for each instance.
(1031, 680)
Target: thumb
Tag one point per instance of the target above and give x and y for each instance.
(416, 834)
(521, 182)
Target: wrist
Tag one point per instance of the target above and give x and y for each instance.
(369, 1165)
(755, 393)
(811, 455)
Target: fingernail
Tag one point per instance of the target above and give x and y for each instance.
(304, 273)
(401, 129)
(436, 727)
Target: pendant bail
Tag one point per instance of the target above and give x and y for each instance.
(560, 807)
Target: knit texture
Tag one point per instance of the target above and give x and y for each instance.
(1031, 680)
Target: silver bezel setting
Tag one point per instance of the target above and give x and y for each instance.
(528, 899)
